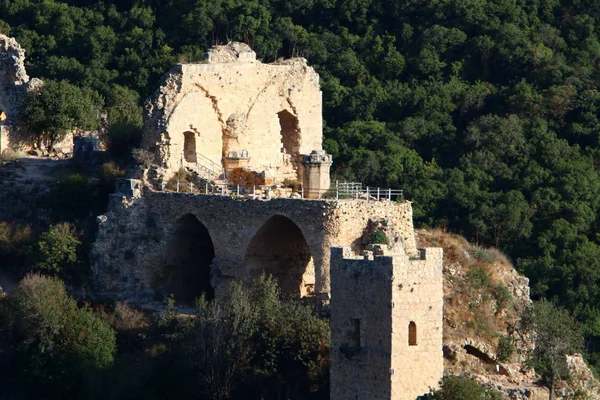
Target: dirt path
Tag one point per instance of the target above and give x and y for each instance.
(38, 169)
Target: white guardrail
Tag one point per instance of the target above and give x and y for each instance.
(340, 191)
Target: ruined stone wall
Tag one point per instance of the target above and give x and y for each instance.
(386, 295)
(233, 103)
(14, 83)
(129, 253)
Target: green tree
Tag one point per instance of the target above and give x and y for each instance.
(53, 342)
(57, 108)
(556, 334)
(55, 253)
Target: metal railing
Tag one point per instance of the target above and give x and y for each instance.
(205, 167)
(340, 191)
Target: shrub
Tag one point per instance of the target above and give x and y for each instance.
(54, 342)
(143, 157)
(71, 198)
(245, 177)
(15, 239)
(479, 277)
(122, 138)
(55, 253)
(462, 388)
(502, 295)
(505, 349)
(183, 178)
(482, 254)
(293, 184)
(10, 155)
(378, 237)
(108, 173)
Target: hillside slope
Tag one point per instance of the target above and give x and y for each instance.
(484, 298)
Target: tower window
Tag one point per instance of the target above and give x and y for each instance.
(412, 334)
(356, 333)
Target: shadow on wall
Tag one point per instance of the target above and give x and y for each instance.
(189, 255)
(280, 249)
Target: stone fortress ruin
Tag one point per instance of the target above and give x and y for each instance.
(234, 112)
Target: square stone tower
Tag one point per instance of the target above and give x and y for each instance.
(386, 325)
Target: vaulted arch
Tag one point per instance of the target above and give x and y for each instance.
(279, 248)
(189, 255)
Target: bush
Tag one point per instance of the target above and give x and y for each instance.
(245, 177)
(108, 173)
(505, 349)
(502, 295)
(479, 277)
(252, 342)
(10, 155)
(71, 198)
(378, 237)
(482, 254)
(55, 253)
(15, 239)
(143, 157)
(462, 388)
(183, 178)
(122, 138)
(293, 184)
(53, 341)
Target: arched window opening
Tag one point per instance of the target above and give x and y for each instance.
(279, 249)
(189, 147)
(412, 334)
(190, 253)
(290, 134)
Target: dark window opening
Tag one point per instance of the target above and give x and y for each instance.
(189, 147)
(356, 332)
(412, 334)
(290, 134)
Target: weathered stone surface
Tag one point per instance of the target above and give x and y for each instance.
(386, 325)
(233, 105)
(129, 252)
(14, 81)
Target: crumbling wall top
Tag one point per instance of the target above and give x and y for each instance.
(232, 52)
(14, 81)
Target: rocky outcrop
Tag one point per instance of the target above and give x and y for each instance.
(484, 298)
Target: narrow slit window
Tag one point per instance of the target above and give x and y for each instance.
(412, 334)
(189, 147)
(356, 332)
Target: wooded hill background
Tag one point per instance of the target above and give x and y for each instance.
(484, 111)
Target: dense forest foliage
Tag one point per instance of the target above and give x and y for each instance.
(485, 111)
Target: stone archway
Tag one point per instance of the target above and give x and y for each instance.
(279, 249)
(189, 255)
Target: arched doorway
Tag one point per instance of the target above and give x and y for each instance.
(189, 255)
(280, 249)
(189, 146)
